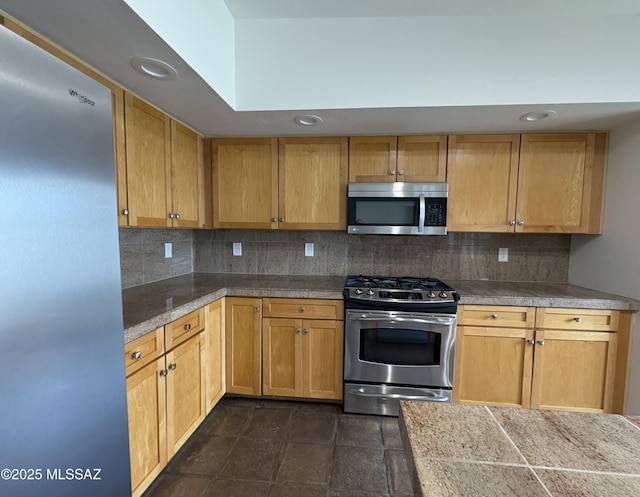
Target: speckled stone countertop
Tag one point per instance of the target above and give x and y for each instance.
(462, 450)
(146, 307)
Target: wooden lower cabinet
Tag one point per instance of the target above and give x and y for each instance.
(302, 358)
(508, 362)
(215, 386)
(242, 344)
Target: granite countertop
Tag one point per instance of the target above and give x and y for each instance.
(459, 450)
(146, 307)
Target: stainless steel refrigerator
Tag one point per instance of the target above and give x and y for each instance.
(63, 416)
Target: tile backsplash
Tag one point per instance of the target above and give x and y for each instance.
(532, 257)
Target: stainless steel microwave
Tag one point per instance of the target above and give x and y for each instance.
(397, 208)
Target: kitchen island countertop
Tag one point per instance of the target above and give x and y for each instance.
(147, 307)
(456, 449)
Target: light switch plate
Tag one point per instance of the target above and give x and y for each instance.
(503, 255)
(308, 249)
(237, 248)
(168, 250)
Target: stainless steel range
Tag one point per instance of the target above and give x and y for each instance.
(399, 342)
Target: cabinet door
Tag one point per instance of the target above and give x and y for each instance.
(187, 176)
(148, 163)
(561, 183)
(574, 370)
(422, 158)
(242, 343)
(372, 159)
(282, 357)
(313, 183)
(482, 171)
(245, 183)
(493, 366)
(322, 354)
(147, 425)
(185, 391)
(214, 353)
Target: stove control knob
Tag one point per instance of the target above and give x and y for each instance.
(358, 291)
(431, 294)
(443, 295)
(370, 292)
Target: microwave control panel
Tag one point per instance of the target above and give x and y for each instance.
(436, 212)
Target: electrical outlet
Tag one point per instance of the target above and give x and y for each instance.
(168, 250)
(308, 249)
(237, 248)
(503, 255)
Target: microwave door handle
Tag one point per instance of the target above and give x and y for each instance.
(422, 214)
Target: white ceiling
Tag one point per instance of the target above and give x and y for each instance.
(108, 33)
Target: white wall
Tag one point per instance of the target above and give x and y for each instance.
(435, 61)
(611, 262)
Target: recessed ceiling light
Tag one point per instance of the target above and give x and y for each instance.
(154, 68)
(307, 120)
(537, 116)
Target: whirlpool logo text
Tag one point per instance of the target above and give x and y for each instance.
(83, 99)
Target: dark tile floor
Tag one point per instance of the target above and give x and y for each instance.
(270, 448)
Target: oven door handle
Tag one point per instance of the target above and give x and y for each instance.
(398, 396)
(432, 320)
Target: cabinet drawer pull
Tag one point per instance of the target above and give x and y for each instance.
(301, 309)
(577, 319)
(136, 355)
(187, 327)
(494, 316)
(163, 372)
(541, 342)
(172, 366)
(531, 341)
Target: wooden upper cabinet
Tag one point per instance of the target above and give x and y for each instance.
(373, 159)
(313, 183)
(187, 177)
(482, 172)
(380, 159)
(561, 183)
(148, 138)
(245, 183)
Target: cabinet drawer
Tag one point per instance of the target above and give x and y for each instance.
(303, 308)
(184, 328)
(143, 350)
(577, 319)
(503, 316)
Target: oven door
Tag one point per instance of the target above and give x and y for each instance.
(399, 348)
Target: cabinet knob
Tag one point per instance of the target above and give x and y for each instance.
(392, 172)
(136, 355)
(301, 309)
(125, 212)
(400, 172)
(257, 309)
(578, 319)
(494, 316)
(305, 331)
(163, 372)
(520, 222)
(170, 215)
(173, 366)
(298, 330)
(273, 219)
(541, 342)
(531, 341)
(281, 220)
(512, 222)
(187, 327)
(177, 216)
